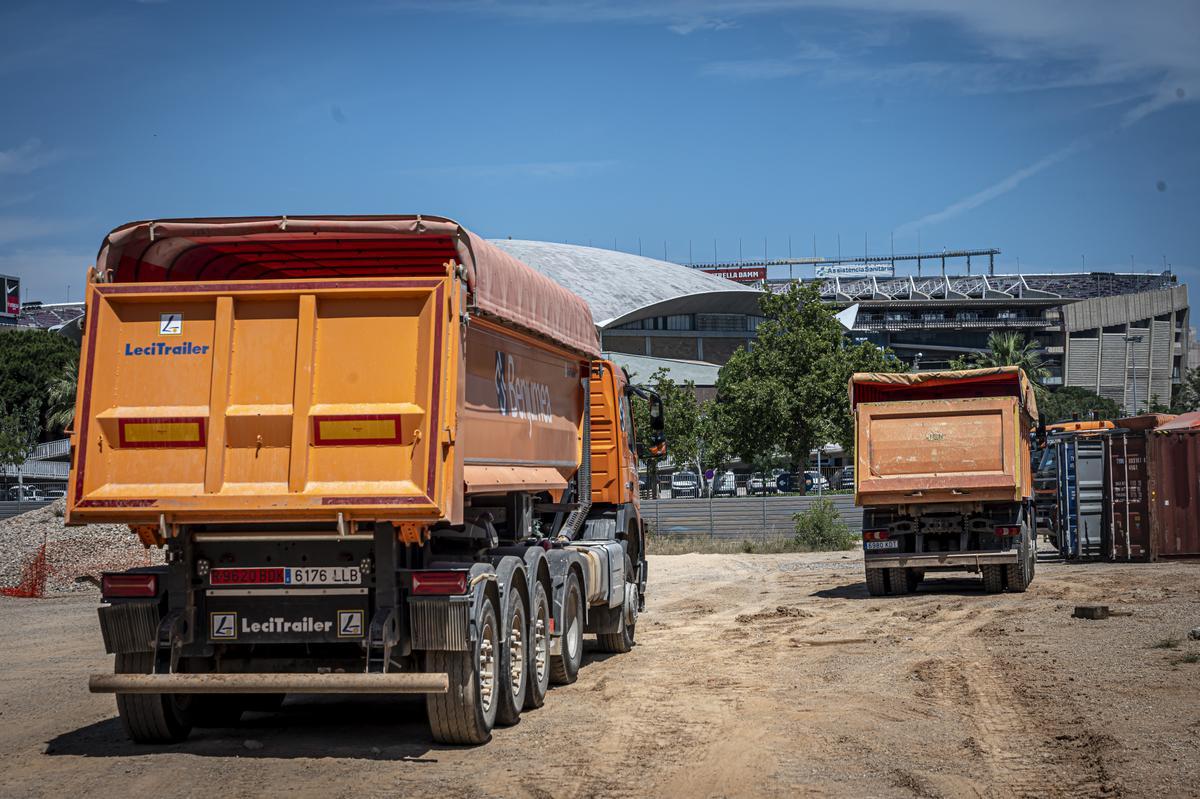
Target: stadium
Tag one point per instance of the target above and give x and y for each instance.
(1125, 336)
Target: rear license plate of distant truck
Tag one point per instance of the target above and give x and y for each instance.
(287, 575)
(881, 544)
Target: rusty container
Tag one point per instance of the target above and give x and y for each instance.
(1174, 450)
(1127, 483)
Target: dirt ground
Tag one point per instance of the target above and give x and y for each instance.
(755, 675)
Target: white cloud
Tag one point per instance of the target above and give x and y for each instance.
(24, 228)
(995, 190)
(26, 158)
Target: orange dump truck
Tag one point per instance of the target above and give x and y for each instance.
(382, 455)
(943, 475)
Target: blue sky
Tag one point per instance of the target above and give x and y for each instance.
(1057, 132)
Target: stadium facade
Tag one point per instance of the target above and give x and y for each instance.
(1111, 333)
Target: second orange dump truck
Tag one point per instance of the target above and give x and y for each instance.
(943, 475)
(382, 455)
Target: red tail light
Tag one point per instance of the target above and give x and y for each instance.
(1007, 531)
(439, 582)
(876, 535)
(129, 585)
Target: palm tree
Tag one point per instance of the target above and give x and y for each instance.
(1010, 349)
(61, 396)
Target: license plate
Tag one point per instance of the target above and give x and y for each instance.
(881, 544)
(288, 575)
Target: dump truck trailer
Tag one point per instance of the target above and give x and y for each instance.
(943, 476)
(382, 456)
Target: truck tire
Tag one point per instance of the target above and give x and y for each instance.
(913, 578)
(993, 578)
(898, 582)
(151, 718)
(877, 583)
(621, 641)
(564, 668)
(467, 712)
(538, 681)
(514, 660)
(1020, 574)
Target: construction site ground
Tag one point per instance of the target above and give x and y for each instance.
(754, 675)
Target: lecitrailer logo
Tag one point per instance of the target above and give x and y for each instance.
(162, 348)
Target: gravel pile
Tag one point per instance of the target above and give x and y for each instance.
(71, 555)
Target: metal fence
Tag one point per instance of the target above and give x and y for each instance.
(740, 517)
(8, 509)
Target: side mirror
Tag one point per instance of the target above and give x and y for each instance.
(657, 421)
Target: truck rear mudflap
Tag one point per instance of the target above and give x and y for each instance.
(932, 560)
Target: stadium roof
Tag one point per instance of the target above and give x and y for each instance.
(619, 285)
(641, 367)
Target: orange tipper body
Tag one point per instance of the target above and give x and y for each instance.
(337, 375)
(943, 475)
(368, 445)
(943, 436)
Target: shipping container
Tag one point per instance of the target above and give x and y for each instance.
(1127, 483)
(1175, 487)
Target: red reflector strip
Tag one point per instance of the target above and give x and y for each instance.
(1005, 532)
(439, 582)
(123, 585)
(161, 433)
(246, 577)
(363, 429)
(876, 535)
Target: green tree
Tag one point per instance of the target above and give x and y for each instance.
(788, 392)
(1187, 395)
(1069, 402)
(1008, 349)
(681, 420)
(30, 360)
(19, 430)
(61, 406)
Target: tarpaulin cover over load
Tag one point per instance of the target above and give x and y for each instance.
(280, 248)
(1187, 422)
(1002, 381)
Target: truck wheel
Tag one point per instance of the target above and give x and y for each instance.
(622, 640)
(514, 661)
(898, 582)
(467, 712)
(993, 578)
(151, 718)
(538, 681)
(913, 578)
(877, 584)
(1020, 574)
(564, 668)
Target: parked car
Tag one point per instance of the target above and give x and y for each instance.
(685, 484)
(815, 481)
(725, 485)
(761, 484)
(29, 494)
(54, 493)
(843, 478)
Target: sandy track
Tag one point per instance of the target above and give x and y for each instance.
(768, 675)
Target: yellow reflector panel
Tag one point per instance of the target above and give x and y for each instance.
(161, 432)
(358, 429)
